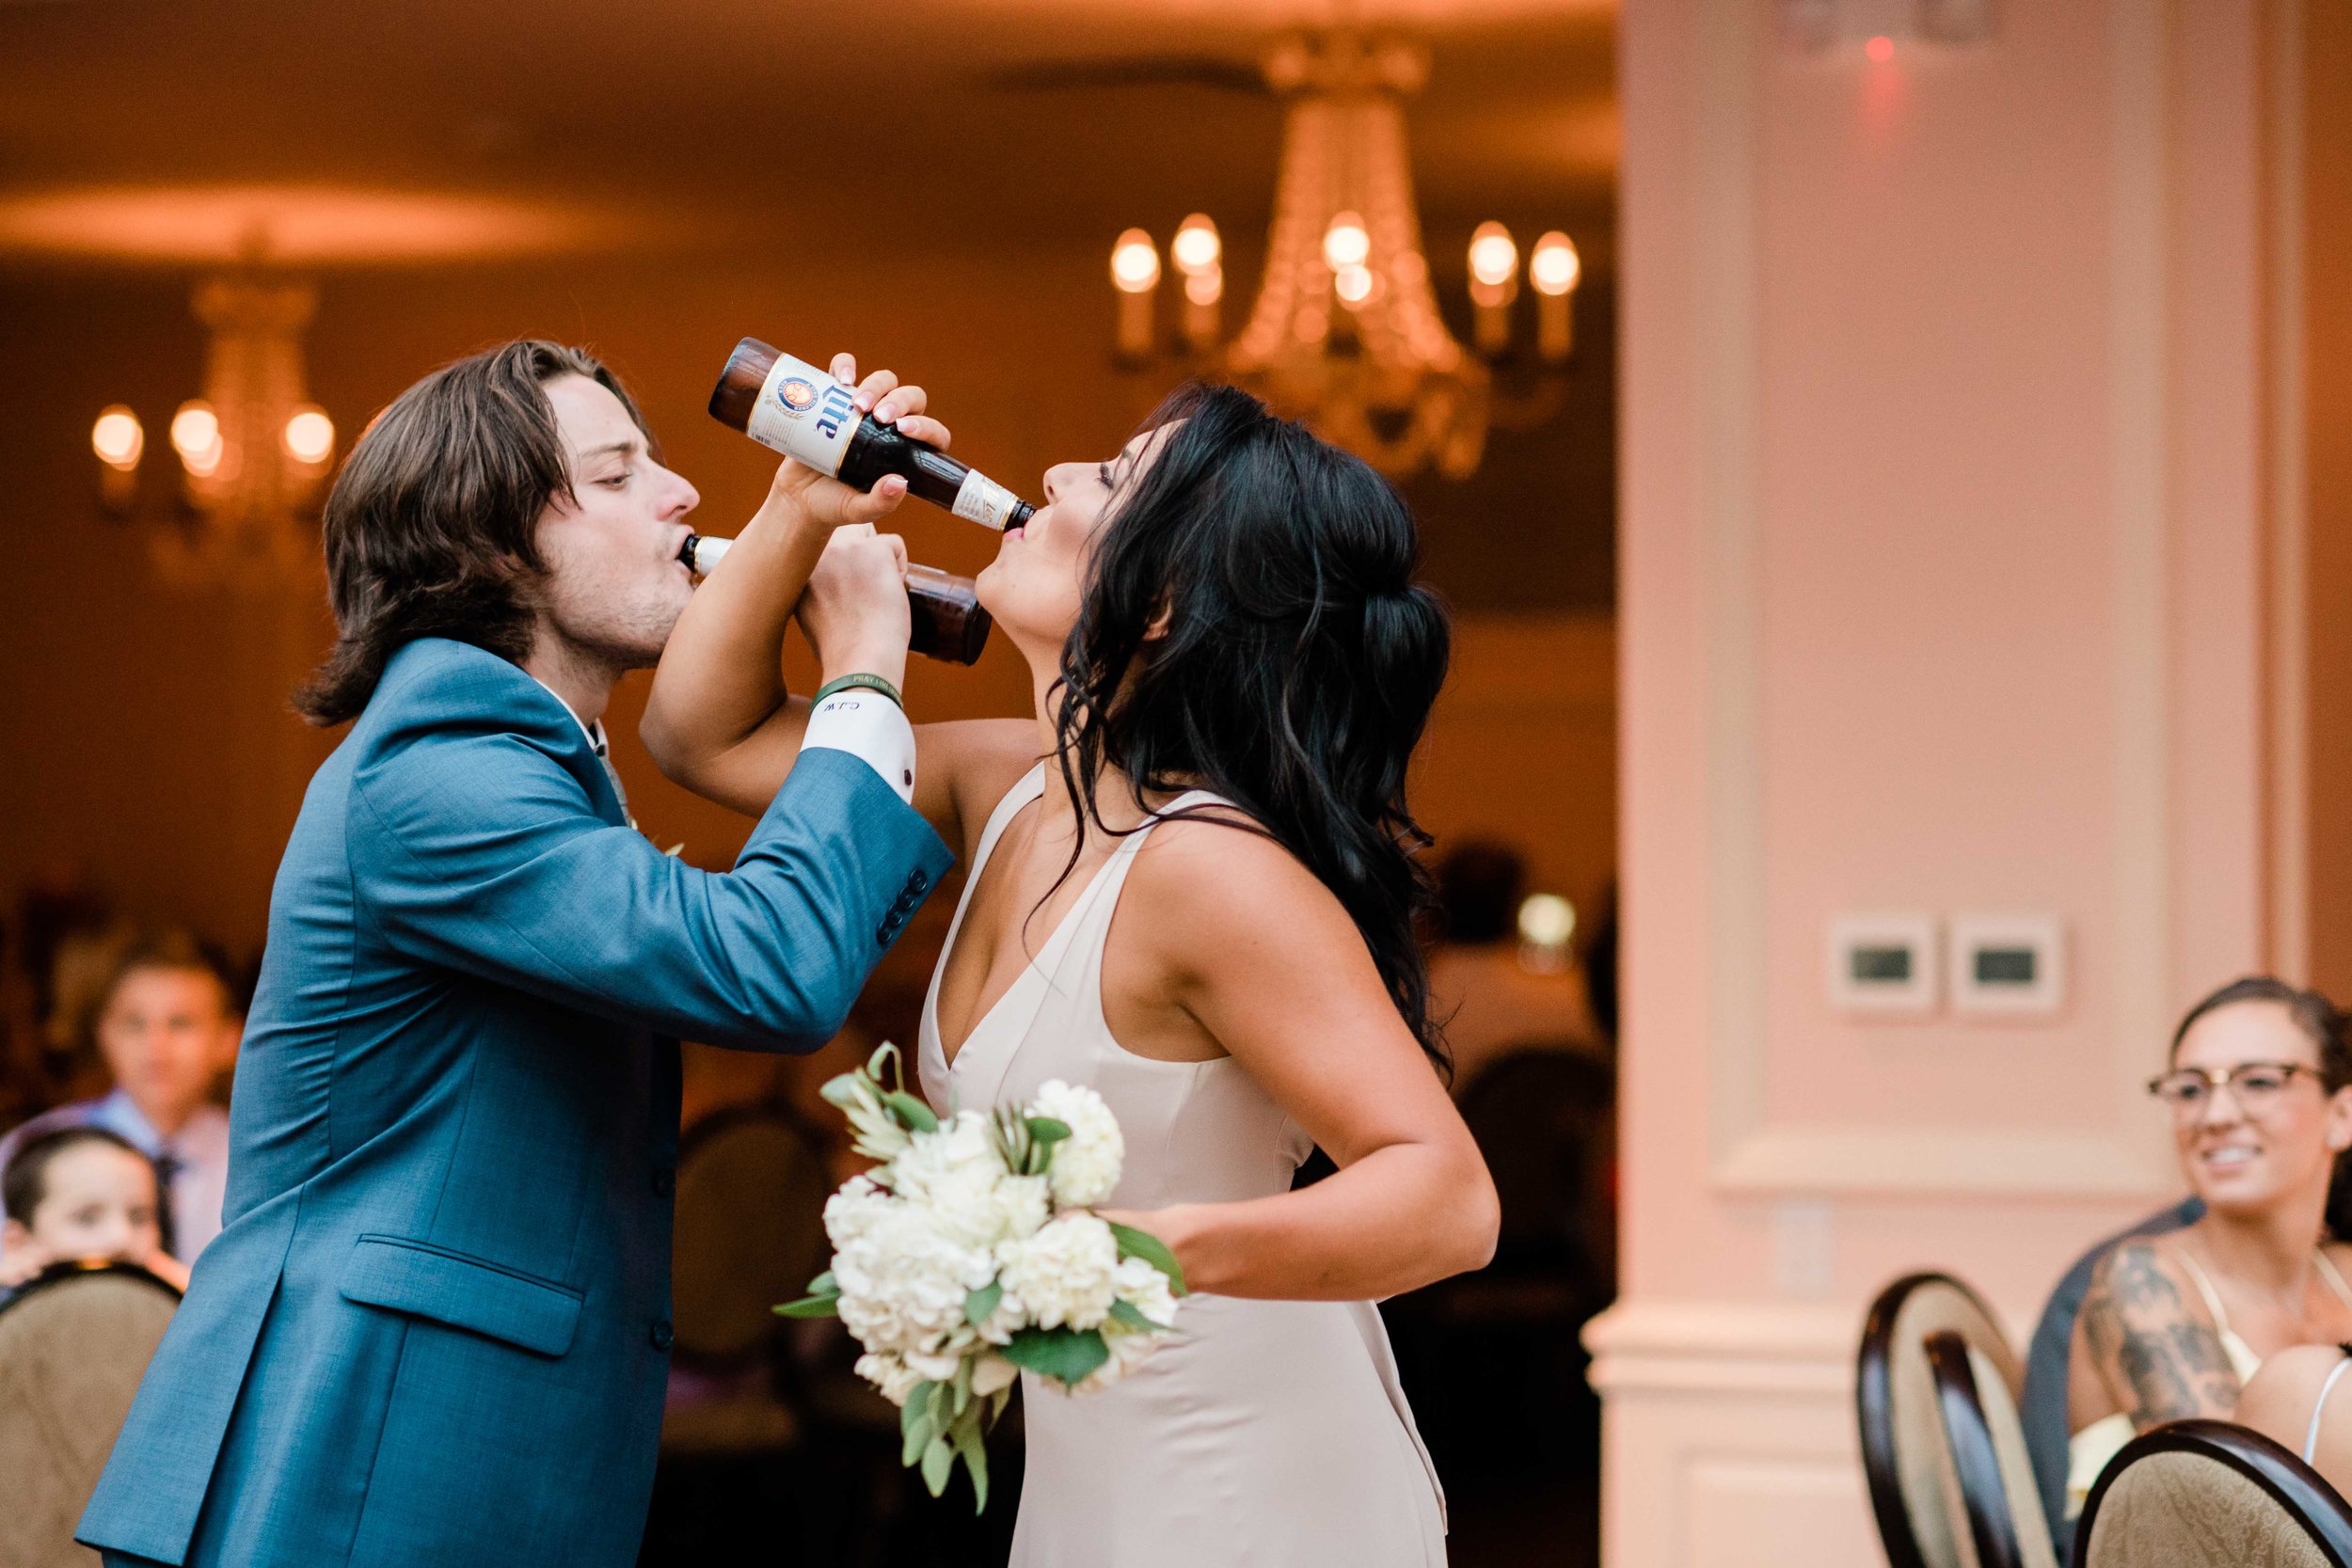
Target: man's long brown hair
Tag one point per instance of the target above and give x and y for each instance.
(431, 527)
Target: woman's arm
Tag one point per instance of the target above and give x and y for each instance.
(1248, 941)
(2159, 1359)
(719, 720)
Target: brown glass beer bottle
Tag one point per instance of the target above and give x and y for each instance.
(947, 621)
(803, 412)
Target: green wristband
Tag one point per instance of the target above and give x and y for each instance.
(872, 683)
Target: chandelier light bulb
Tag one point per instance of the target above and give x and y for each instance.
(117, 439)
(1135, 263)
(196, 437)
(1555, 267)
(310, 435)
(1196, 248)
(1353, 284)
(1205, 285)
(1492, 255)
(1346, 244)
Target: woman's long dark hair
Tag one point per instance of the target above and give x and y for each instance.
(1296, 668)
(431, 527)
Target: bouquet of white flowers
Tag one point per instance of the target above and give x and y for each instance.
(971, 1251)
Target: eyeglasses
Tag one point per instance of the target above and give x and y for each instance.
(2256, 1085)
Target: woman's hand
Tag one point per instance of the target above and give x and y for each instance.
(854, 608)
(828, 503)
(164, 1266)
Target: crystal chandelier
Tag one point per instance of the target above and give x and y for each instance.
(253, 451)
(1346, 329)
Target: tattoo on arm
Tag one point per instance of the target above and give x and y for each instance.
(2159, 1361)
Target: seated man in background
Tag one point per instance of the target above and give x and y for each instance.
(2260, 1090)
(78, 1193)
(1492, 1002)
(167, 1026)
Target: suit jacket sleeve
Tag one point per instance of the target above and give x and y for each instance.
(479, 849)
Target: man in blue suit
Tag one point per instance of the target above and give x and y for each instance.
(434, 1329)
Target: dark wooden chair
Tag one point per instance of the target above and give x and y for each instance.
(2203, 1494)
(74, 1345)
(1933, 1359)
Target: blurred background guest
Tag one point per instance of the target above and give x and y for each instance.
(2260, 1087)
(166, 1025)
(1496, 991)
(78, 1193)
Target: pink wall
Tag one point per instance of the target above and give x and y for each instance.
(1943, 543)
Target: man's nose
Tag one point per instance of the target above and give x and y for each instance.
(683, 499)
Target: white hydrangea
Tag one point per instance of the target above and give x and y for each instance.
(894, 1377)
(1086, 1164)
(903, 1281)
(1145, 1289)
(959, 1177)
(1065, 1274)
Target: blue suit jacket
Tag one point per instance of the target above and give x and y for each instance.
(433, 1328)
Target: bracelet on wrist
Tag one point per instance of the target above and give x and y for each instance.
(870, 682)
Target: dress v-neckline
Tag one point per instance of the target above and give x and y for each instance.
(1030, 965)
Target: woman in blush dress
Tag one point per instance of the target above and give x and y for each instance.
(1192, 887)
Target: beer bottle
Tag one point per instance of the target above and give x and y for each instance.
(948, 622)
(803, 412)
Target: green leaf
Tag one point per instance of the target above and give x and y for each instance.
(1064, 1354)
(911, 1111)
(916, 1438)
(967, 1441)
(963, 1387)
(1045, 1130)
(936, 1461)
(917, 1403)
(825, 1285)
(997, 1403)
(982, 1304)
(883, 1053)
(1129, 1313)
(1143, 1244)
(822, 1306)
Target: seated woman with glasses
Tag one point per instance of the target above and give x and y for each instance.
(2260, 1089)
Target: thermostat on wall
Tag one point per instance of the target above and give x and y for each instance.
(1882, 963)
(2008, 964)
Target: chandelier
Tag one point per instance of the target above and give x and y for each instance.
(252, 451)
(1346, 330)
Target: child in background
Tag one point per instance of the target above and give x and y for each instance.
(82, 1192)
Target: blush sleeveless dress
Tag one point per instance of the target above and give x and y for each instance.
(1264, 1434)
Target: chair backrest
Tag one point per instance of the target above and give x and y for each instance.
(2042, 1409)
(750, 1232)
(1905, 1456)
(74, 1346)
(1988, 1480)
(2202, 1494)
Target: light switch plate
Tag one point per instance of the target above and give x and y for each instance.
(2008, 965)
(1883, 964)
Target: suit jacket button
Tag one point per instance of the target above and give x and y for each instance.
(662, 1333)
(664, 1183)
(916, 882)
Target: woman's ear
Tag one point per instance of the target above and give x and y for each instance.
(1165, 612)
(2340, 1120)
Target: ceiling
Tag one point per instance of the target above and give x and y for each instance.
(146, 130)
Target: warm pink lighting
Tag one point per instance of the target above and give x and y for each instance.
(1880, 49)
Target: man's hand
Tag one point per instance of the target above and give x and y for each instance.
(828, 503)
(854, 609)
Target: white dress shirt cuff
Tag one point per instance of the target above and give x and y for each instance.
(869, 726)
